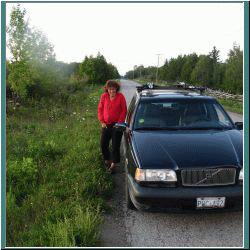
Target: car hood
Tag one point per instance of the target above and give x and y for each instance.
(182, 149)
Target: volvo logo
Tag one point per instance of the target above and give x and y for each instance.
(209, 176)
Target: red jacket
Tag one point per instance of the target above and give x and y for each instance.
(114, 111)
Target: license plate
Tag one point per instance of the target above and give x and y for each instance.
(211, 202)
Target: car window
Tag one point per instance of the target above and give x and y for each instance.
(221, 116)
(181, 115)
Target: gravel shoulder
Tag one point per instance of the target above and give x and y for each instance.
(113, 231)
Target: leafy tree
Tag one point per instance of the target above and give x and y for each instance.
(129, 74)
(41, 59)
(220, 76)
(20, 78)
(33, 59)
(217, 74)
(150, 73)
(40, 49)
(174, 68)
(233, 79)
(26, 43)
(203, 71)
(101, 68)
(88, 69)
(112, 72)
(163, 71)
(214, 55)
(97, 70)
(139, 71)
(17, 32)
(20, 74)
(188, 67)
(166, 63)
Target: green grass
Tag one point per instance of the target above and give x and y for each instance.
(57, 186)
(231, 105)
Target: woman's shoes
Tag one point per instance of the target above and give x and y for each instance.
(108, 163)
(111, 166)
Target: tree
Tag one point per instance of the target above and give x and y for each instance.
(97, 70)
(20, 78)
(203, 71)
(233, 78)
(164, 70)
(33, 59)
(40, 49)
(214, 55)
(217, 73)
(20, 75)
(188, 67)
(174, 68)
(112, 72)
(17, 34)
(26, 43)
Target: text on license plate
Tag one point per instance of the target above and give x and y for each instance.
(211, 202)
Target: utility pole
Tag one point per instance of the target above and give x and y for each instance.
(157, 66)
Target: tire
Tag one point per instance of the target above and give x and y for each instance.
(129, 203)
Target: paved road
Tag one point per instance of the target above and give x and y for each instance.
(235, 117)
(131, 228)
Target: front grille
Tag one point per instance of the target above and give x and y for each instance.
(208, 177)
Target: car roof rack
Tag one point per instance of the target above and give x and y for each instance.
(185, 86)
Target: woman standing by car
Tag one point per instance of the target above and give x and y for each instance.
(112, 109)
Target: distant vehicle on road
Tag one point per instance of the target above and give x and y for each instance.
(182, 152)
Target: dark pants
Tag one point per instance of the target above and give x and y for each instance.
(110, 133)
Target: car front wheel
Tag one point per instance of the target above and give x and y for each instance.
(129, 203)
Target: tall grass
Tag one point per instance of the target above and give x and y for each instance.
(57, 185)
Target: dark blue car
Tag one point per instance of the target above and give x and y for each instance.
(182, 152)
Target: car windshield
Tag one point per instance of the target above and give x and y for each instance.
(181, 114)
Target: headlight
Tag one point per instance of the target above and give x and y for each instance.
(241, 175)
(155, 175)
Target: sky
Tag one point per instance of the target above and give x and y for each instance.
(133, 34)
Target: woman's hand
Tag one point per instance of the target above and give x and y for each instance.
(104, 125)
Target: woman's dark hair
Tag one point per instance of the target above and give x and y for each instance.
(110, 84)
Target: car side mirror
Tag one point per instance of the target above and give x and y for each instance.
(239, 125)
(121, 126)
